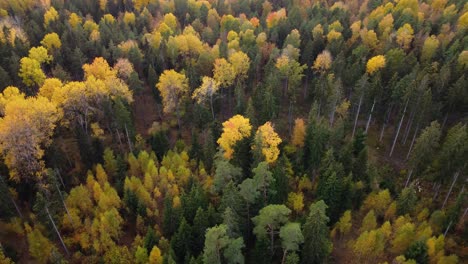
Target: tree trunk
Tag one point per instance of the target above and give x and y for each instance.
(370, 116)
(211, 104)
(56, 230)
(64, 204)
(120, 141)
(409, 177)
(412, 142)
(332, 114)
(57, 172)
(399, 127)
(448, 227)
(455, 177)
(357, 115)
(128, 139)
(385, 124)
(436, 192)
(290, 117)
(285, 252)
(12, 200)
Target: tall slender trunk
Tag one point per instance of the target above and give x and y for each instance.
(332, 114)
(290, 117)
(399, 127)
(382, 131)
(455, 177)
(56, 230)
(412, 142)
(211, 104)
(447, 229)
(436, 191)
(12, 200)
(57, 172)
(128, 139)
(408, 127)
(409, 177)
(445, 120)
(370, 116)
(285, 253)
(120, 140)
(64, 204)
(357, 115)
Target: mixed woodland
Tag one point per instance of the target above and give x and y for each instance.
(233, 131)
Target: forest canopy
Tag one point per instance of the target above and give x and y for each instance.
(234, 131)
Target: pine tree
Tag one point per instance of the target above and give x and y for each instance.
(317, 244)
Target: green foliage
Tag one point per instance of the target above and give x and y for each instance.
(317, 244)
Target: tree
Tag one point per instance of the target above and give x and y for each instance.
(31, 72)
(51, 42)
(298, 133)
(206, 91)
(369, 222)
(418, 252)
(375, 63)
(269, 221)
(317, 244)
(155, 256)
(39, 246)
(291, 238)
(369, 245)
(407, 200)
(423, 152)
(221, 248)
(344, 225)
(263, 179)
(269, 142)
(405, 36)
(323, 62)
(173, 87)
(25, 130)
(431, 44)
(234, 129)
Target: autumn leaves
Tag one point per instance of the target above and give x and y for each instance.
(239, 127)
(28, 122)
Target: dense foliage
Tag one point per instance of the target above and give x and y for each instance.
(240, 131)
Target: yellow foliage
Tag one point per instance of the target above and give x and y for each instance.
(270, 141)
(129, 18)
(375, 63)
(25, 130)
(74, 20)
(234, 129)
(223, 72)
(50, 16)
(463, 22)
(333, 35)
(89, 25)
(405, 36)
(31, 72)
(342, 109)
(369, 38)
(108, 19)
(323, 62)
(47, 90)
(51, 42)
(206, 90)
(99, 69)
(155, 256)
(317, 31)
(431, 44)
(463, 58)
(298, 133)
(296, 201)
(171, 21)
(39, 54)
(240, 63)
(173, 86)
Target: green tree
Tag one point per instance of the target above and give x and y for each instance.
(221, 248)
(269, 221)
(317, 243)
(291, 238)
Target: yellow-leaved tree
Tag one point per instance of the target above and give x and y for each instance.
(269, 141)
(298, 133)
(26, 130)
(234, 129)
(375, 63)
(173, 87)
(405, 36)
(51, 42)
(206, 91)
